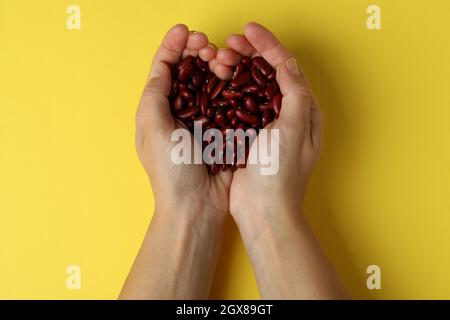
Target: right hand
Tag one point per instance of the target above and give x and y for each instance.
(252, 195)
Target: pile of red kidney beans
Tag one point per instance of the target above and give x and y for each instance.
(250, 100)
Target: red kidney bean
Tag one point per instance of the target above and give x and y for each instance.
(256, 125)
(241, 166)
(219, 110)
(204, 103)
(260, 93)
(191, 86)
(258, 77)
(182, 86)
(250, 104)
(185, 72)
(272, 76)
(266, 106)
(220, 120)
(220, 103)
(187, 113)
(271, 90)
(211, 84)
(197, 98)
(191, 103)
(209, 112)
(266, 118)
(238, 70)
(250, 100)
(243, 79)
(218, 89)
(241, 126)
(201, 64)
(246, 117)
(175, 86)
(178, 104)
(185, 94)
(251, 88)
(215, 168)
(204, 120)
(246, 61)
(209, 76)
(212, 125)
(230, 94)
(262, 65)
(198, 79)
(187, 60)
(231, 113)
(234, 103)
(277, 105)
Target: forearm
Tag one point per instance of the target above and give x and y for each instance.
(286, 257)
(177, 258)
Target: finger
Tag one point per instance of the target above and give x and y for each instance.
(212, 64)
(196, 41)
(171, 48)
(153, 116)
(316, 125)
(222, 71)
(241, 45)
(296, 94)
(228, 57)
(208, 53)
(296, 102)
(266, 44)
(153, 112)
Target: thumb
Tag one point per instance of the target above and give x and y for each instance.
(153, 113)
(296, 102)
(153, 116)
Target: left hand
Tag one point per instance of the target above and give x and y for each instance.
(183, 189)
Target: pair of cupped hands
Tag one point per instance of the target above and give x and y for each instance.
(190, 191)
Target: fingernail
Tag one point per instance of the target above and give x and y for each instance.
(195, 32)
(156, 70)
(212, 46)
(292, 67)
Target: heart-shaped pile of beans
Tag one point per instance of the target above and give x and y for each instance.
(251, 99)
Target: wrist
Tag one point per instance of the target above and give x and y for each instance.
(200, 216)
(272, 219)
(259, 215)
(183, 251)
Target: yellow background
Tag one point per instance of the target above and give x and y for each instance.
(73, 192)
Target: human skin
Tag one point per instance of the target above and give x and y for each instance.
(182, 244)
(268, 209)
(180, 250)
